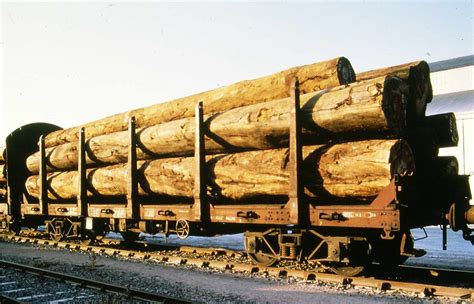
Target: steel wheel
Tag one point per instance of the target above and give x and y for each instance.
(263, 259)
(348, 271)
(387, 252)
(129, 236)
(89, 237)
(263, 249)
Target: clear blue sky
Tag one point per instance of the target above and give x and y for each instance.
(69, 63)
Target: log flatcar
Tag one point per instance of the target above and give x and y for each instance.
(344, 236)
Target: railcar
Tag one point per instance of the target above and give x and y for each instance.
(343, 236)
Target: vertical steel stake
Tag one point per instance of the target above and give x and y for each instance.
(445, 237)
(43, 178)
(297, 212)
(201, 205)
(81, 173)
(133, 206)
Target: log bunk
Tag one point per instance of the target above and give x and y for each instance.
(308, 147)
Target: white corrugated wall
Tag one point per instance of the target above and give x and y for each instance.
(451, 81)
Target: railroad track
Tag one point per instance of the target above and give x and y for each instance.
(56, 287)
(425, 281)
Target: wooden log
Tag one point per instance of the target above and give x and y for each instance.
(438, 167)
(445, 129)
(365, 109)
(446, 166)
(417, 74)
(3, 154)
(314, 77)
(3, 173)
(354, 170)
(3, 192)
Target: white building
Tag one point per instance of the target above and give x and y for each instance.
(453, 89)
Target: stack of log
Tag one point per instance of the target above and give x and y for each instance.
(356, 135)
(3, 175)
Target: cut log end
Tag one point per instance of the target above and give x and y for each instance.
(401, 159)
(445, 129)
(417, 75)
(447, 166)
(420, 80)
(421, 92)
(395, 98)
(451, 136)
(345, 71)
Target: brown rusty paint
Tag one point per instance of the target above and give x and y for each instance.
(360, 218)
(296, 203)
(81, 169)
(201, 205)
(386, 196)
(351, 216)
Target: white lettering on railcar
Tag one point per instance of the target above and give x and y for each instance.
(365, 214)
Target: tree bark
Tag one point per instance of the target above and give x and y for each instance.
(3, 177)
(366, 108)
(417, 74)
(445, 129)
(355, 170)
(312, 78)
(3, 154)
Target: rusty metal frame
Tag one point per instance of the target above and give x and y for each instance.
(201, 205)
(43, 201)
(133, 205)
(298, 208)
(381, 213)
(81, 175)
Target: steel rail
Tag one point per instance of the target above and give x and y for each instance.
(9, 300)
(130, 293)
(371, 282)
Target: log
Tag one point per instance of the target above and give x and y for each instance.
(355, 170)
(446, 166)
(314, 77)
(3, 192)
(3, 175)
(3, 154)
(445, 129)
(417, 74)
(438, 167)
(366, 109)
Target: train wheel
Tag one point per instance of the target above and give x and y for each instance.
(263, 259)
(262, 248)
(348, 271)
(130, 236)
(391, 253)
(358, 254)
(89, 237)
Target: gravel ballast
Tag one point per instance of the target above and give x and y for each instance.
(199, 285)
